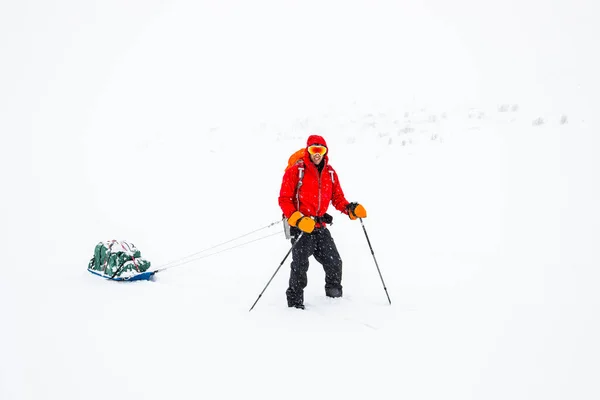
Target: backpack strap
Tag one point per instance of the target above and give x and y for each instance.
(300, 177)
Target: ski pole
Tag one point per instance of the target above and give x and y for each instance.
(280, 264)
(377, 265)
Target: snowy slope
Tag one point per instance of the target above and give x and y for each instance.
(468, 132)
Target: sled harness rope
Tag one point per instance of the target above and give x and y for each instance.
(201, 254)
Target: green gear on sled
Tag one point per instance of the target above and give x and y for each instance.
(118, 259)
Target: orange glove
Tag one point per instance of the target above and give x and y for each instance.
(305, 224)
(356, 210)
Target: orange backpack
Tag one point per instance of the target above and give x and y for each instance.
(295, 158)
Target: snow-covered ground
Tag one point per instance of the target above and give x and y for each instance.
(468, 131)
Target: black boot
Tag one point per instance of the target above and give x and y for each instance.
(295, 299)
(333, 292)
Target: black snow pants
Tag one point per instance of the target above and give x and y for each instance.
(319, 244)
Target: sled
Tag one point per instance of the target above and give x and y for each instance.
(119, 261)
(142, 276)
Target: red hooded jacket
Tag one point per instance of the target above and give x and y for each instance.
(317, 189)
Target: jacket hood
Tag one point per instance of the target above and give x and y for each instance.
(315, 139)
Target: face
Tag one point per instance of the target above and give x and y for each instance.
(317, 153)
(316, 158)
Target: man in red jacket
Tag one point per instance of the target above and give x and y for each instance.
(308, 187)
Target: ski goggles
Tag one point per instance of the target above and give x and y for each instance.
(317, 149)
